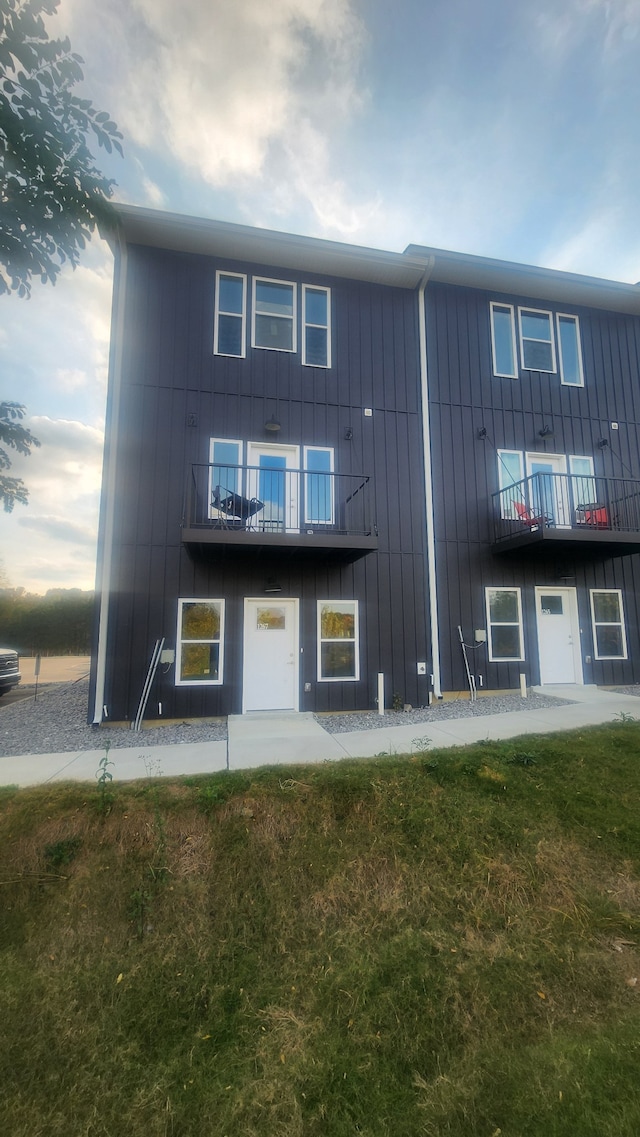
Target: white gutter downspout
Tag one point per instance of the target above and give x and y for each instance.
(428, 482)
(105, 559)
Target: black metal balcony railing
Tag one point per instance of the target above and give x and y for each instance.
(266, 500)
(573, 506)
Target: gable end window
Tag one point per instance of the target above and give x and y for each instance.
(609, 637)
(230, 314)
(503, 340)
(569, 351)
(316, 330)
(200, 642)
(274, 315)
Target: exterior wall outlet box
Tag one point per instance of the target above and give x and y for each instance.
(614, 426)
(168, 655)
(421, 668)
(307, 688)
(368, 413)
(481, 636)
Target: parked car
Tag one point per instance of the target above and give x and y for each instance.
(9, 669)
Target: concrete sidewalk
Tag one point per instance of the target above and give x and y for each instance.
(273, 739)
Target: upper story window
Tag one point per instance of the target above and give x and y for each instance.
(316, 333)
(230, 314)
(536, 340)
(569, 351)
(542, 345)
(503, 340)
(274, 314)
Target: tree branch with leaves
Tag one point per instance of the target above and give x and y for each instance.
(21, 439)
(52, 196)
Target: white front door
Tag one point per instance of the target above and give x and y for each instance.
(270, 672)
(274, 482)
(558, 635)
(549, 495)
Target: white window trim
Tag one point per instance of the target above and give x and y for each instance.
(356, 641)
(514, 346)
(329, 473)
(569, 316)
(294, 317)
(499, 658)
(308, 324)
(234, 442)
(220, 312)
(608, 624)
(505, 512)
(179, 642)
(538, 312)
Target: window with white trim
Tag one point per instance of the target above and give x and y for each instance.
(338, 641)
(569, 350)
(537, 349)
(583, 483)
(318, 486)
(504, 625)
(200, 642)
(316, 326)
(274, 314)
(607, 619)
(230, 313)
(510, 471)
(503, 340)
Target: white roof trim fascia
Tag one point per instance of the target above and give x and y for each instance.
(233, 242)
(530, 281)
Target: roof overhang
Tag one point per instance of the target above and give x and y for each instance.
(184, 234)
(527, 280)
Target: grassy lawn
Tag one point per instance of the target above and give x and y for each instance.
(441, 945)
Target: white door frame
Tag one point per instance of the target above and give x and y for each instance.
(266, 601)
(572, 612)
(291, 454)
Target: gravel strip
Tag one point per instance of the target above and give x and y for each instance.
(438, 712)
(632, 690)
(56, 722)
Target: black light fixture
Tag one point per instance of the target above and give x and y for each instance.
(602, 442)
(348, 434)
(481, 433)
(273, 425)
(272, 585)
(546, 432)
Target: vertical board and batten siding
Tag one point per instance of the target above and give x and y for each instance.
(465, 396)
(170, 373)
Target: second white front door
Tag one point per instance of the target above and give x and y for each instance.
(271, 655)
(558, 635)
(273, 478)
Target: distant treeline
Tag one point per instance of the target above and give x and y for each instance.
(58, 623)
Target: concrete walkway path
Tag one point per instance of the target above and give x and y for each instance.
(273, 739)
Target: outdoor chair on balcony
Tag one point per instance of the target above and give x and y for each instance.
(595, 515)
(531, 520)
(234, 510)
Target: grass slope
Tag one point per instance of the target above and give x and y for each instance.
(439, 945)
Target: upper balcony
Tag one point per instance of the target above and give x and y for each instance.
(274, 507)
(579, 512)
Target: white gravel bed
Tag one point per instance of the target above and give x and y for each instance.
(438, 712)
(57, 722)
(633, 689)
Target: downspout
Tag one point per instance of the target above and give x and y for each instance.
(428, 482)
(104, 567)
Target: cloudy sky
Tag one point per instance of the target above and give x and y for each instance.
(499, 128)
